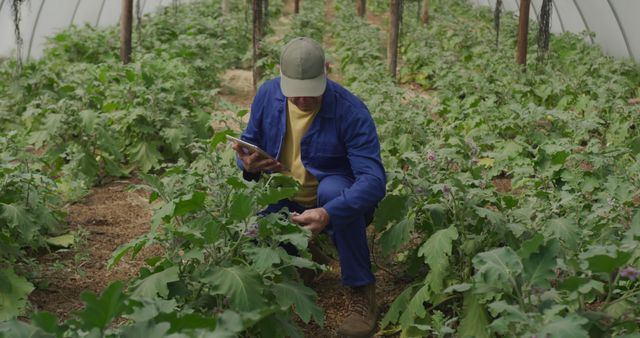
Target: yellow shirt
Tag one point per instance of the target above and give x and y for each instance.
(297, 124)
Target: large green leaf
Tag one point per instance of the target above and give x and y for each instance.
(539, 267)
(275, 194)
(569, 326)
(189, 203)
(18, 217)
(302, 298)
(436, 251)
(392, 208)
(497, 268)
(564, 229)
(100, 311)
(415, 308)
(151, 307)
(146, 329)
(19, 329)
(397, 307)
(495, 217)
(229, 325)
(396, 235)
(263, 258)
(604, 258)
(474, 320)
(530, 246)
(146, 155)
(279, 187)
(63, 241)
(181, 322)
(299, 239)
(241, 285)
(634, 229)
(175, 137)
(14, 291)
(88, 119)
(241, 207)
(47, 322)
(508, 317)
(156, 284)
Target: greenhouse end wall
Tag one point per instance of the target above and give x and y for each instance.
(43, 18)
(613, 23)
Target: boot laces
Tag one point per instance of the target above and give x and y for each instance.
(359, 301)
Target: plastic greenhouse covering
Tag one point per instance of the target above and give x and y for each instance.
(43, 18)
(614, 23)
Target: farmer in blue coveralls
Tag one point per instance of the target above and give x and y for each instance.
(326, 137)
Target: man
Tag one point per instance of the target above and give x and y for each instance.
(327, 139)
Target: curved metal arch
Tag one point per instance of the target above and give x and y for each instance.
(75, 10)
(33, 32)
(553, 2)
(621, 27)
(100, 13)
(586, 25)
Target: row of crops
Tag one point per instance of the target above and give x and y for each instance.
(513, 196)
(95, 119)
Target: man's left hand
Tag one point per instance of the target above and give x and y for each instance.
(314, 220)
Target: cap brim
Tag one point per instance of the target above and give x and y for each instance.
(303, 88)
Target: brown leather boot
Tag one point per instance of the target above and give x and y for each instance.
(363, 313)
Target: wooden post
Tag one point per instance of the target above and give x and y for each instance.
(125, 31)
(296, 6)
(226, 7)
(361, 8)
(257, 36)
(523, 32)
(424, 15)
(544, 27)
(392, 47)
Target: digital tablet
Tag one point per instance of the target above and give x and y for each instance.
(247, 147)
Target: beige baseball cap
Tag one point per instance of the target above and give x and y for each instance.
(302, 68)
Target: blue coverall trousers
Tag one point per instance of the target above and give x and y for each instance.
(350, 238)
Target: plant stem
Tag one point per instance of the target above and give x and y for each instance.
(628, 295)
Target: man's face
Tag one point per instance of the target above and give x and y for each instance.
(306, 103)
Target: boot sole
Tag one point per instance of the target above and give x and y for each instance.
(368, 335)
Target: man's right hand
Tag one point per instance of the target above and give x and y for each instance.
(254, 162)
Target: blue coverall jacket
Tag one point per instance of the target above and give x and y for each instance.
(342, 140)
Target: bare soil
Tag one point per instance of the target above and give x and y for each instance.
(108, 217)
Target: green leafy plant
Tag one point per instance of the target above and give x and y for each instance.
(503, 186)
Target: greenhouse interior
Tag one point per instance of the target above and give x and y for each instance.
(307, 168)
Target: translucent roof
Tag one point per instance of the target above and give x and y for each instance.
(614, 22)
(43, 18)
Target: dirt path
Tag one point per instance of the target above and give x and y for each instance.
(108, 217)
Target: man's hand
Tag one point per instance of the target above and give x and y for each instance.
(314, 220)
(254, 162)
